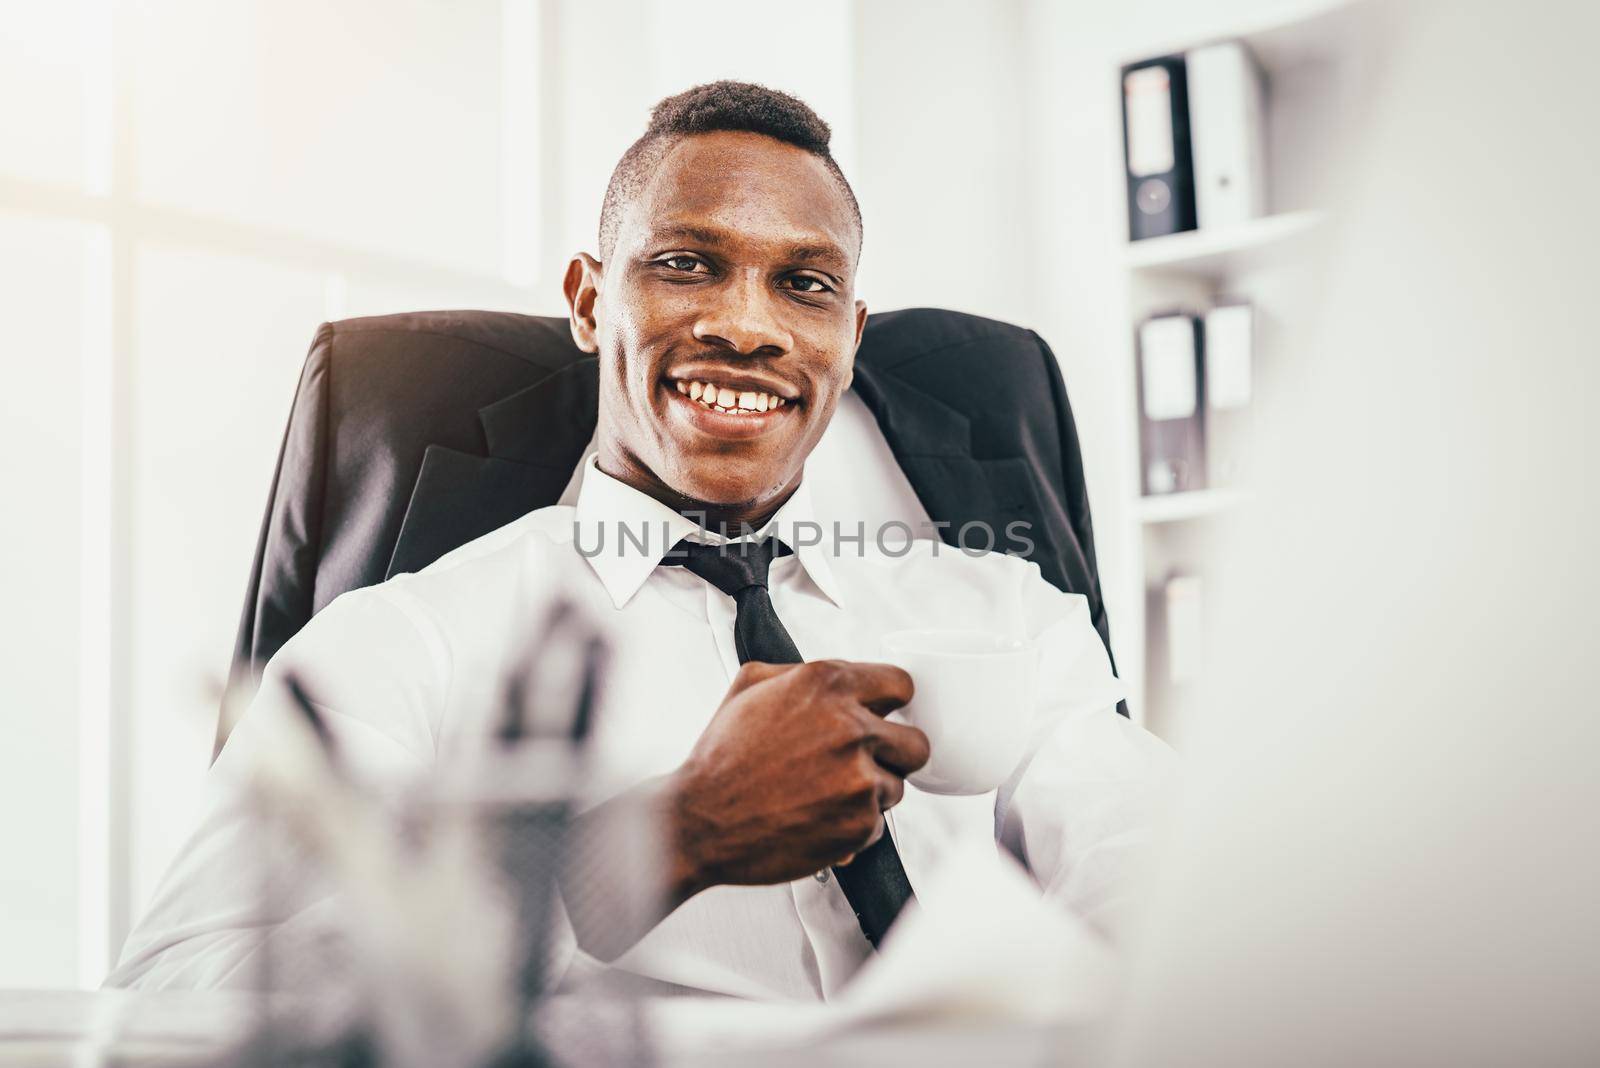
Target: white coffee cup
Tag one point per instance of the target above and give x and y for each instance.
(974, 701)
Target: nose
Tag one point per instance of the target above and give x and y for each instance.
(739, 316)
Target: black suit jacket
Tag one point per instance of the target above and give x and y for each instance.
(413, 434)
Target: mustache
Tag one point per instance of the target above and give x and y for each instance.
(748, 373)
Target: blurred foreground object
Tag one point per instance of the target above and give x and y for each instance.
(445, 925)
(1387, 854)
(980, 970)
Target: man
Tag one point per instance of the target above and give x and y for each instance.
(722, 309)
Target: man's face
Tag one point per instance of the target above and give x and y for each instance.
(725, 321)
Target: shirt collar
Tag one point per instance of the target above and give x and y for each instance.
(623, 533)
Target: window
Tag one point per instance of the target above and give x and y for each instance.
(190, 188)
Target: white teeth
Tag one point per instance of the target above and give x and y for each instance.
(724, 399)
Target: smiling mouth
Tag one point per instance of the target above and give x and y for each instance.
(726, 399)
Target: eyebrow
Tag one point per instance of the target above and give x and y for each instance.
(826, 255)
(818, 252)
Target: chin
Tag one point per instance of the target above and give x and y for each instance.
(725, 494)
(729, 487)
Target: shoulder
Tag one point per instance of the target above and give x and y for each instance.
(542, 530)
(496, 568)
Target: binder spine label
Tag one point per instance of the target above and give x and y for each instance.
(1148, 91)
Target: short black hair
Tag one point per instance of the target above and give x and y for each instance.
(716, 106)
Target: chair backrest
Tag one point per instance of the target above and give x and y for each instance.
(412, 434)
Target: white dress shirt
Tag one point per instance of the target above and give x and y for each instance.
(409, 668)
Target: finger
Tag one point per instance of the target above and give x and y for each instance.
(872, 840)
(755, 671)
(891, 788)
(881, 688)
(899, 747)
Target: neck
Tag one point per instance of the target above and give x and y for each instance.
(725, 519)
(731, 522)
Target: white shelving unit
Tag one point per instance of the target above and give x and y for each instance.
(1197, 504)
(1224, 253)
(1306, 65)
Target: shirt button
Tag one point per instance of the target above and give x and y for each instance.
(821, 876)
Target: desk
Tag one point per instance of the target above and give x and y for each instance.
(79, 1029)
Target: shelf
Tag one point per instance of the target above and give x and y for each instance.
(1220, 252)
(1175, 507)
(1318, 32)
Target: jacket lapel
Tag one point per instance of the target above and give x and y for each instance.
(913, 422)
(533, 438)
(547, 424)
(933, 443)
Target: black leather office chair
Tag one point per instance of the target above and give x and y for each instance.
(413, 434)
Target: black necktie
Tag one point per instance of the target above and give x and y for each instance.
(874, 882)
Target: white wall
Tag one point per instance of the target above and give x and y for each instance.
(944, 148)
(189, 190)
(46, 286)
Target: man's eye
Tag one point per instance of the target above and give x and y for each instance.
(804, 283)
(683, 263)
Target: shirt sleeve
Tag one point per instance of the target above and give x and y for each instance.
(1082, 811)
(378, 675)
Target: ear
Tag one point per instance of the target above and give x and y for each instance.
(861, 325)
(581, 284)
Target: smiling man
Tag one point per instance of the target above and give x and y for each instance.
(732, 240)
(744, 708)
